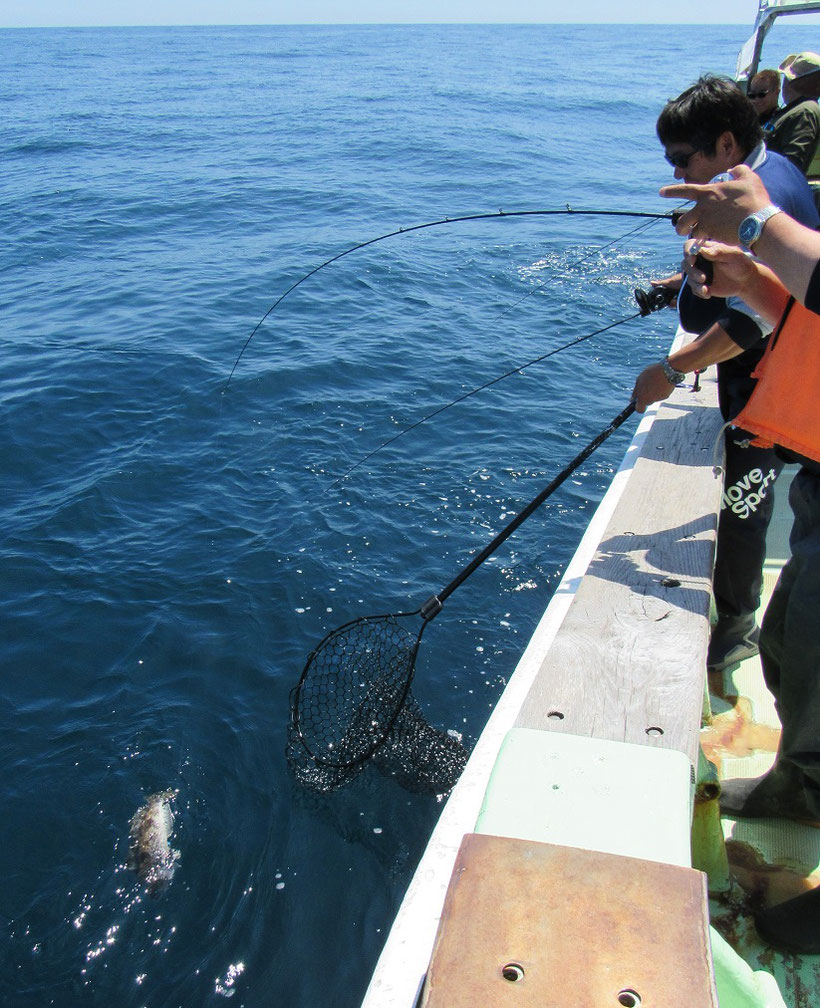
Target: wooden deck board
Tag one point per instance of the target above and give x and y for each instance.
(629, 661)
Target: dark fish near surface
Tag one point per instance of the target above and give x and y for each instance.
(150, 853)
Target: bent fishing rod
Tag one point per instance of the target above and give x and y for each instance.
(497, 215)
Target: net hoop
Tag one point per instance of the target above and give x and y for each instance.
(396, 696)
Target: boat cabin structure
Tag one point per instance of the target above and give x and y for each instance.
(768, 12)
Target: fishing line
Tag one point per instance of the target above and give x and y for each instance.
(646, 307)
(493, 381)
(602, 248)
(573, 265)
(567, 211)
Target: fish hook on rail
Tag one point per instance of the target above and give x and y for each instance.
(497, 215)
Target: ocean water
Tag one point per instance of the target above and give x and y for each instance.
(173, 546)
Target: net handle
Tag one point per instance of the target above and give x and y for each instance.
(433, 605)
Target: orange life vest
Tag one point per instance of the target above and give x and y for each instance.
(783, 409)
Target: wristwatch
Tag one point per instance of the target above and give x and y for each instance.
(673, 376)
(751, 227)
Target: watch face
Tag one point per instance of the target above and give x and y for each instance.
(749, 230)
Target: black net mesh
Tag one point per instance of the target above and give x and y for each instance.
(352, 689)
(353, 702)
(421, 758)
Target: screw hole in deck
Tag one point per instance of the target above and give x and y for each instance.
(556, 715)
(512, 972)
(629, 999)
(654, 731)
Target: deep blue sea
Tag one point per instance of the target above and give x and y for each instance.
(173, 548)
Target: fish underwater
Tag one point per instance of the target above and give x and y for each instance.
(150, 853)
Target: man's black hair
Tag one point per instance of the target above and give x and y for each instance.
(705, 111)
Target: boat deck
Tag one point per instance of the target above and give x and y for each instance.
(770, 861)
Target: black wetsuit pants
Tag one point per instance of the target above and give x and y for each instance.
(746, 510)
(790, 638)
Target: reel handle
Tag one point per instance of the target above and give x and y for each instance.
(707, 268)
(654, 299)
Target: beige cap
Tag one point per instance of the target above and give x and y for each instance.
(800, 64)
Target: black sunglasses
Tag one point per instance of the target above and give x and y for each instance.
(757, 94)
(681, 160)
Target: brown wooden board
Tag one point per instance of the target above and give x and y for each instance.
(527, 924)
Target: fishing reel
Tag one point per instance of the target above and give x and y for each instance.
(654, 299)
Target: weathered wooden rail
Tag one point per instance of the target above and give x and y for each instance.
(629, 661)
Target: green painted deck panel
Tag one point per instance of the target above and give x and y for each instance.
(611, 797)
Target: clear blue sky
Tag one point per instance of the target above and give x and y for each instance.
(40, 13)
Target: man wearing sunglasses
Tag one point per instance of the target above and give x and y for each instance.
(707, 130)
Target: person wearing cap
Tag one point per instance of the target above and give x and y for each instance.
(795, 130)
(764, 94)
(782, 408)
(706, 130)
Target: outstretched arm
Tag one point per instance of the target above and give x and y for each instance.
(735, 273)
(714, 346)
(790, 249)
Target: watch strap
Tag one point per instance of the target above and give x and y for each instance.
(758, 219)
(673, 376)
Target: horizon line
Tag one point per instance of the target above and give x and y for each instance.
(372, 24)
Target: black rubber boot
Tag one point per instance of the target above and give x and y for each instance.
(778, 794)
(793, 926)
(733, 639)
